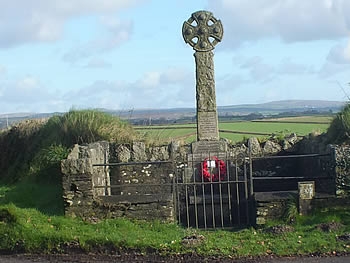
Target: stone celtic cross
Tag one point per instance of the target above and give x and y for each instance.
(203, 31)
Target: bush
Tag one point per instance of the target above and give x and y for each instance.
(46, 163)
(18, 146)
(36, 147)
(339, 129)
(86, 126)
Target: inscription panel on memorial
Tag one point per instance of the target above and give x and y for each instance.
(306, 190)
(207, 147)
(207, 127)
(196, 158)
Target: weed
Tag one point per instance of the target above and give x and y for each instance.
(290, 213)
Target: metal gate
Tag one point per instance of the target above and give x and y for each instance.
(214, 191)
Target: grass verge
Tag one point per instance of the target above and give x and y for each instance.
(30, 231)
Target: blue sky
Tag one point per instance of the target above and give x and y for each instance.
(122, 55)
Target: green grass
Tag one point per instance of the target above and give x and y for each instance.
(45, 197)
(233, 137)
(312, 119)
(28, 230)
(241, 129)
(86, 126)
(32, 221)
(262, 127)
(159, 134)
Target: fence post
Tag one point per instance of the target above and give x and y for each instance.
(251, 190)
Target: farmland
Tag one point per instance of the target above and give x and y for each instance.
(237, 131)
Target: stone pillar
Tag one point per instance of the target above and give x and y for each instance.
(306, 194)
(77, 182)
(202, 31)
(82, 181)
(207, 116)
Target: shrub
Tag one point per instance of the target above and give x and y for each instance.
(86, 126)
(46, 163)
(339, 129)
(35, 147)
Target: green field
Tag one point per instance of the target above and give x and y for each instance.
(311, 119)
(237, 131)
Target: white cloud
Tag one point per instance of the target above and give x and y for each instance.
(153, 89)
(291, 20)
(288, 67)
(98, 63)
(150, 80)
(330, 69)
(340, 54)
(227, 88)
(338, 61)
(173, 76)
(43, 20)
(28, 90)
(117, 34)
(258, 70)
(28, 94)
(167, 87)
(262, 72)
(99, 94)
(251, 62)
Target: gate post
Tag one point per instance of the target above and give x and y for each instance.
(251, 190)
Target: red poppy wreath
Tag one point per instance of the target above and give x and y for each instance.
(210, 173)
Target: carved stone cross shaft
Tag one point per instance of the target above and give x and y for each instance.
(203, 31)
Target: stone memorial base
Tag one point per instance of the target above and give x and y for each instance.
(204, 147)
(201, 150)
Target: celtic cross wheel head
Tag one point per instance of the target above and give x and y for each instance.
(202, 31)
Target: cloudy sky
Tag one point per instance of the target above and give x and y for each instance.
(130, 54)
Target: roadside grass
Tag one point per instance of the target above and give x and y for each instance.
(28, 193)
(27, 230)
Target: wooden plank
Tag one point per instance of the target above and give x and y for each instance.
(137, 199)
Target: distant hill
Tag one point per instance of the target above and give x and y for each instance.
(275, 107)
(139, 115)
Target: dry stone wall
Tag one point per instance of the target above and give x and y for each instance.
(140, 186)
(81, 179)
(342, 161)
(138, 181)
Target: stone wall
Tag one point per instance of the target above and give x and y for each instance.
(81, 179)
(342, 168)
(337, 168)
(141, 184)
(271, 206)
